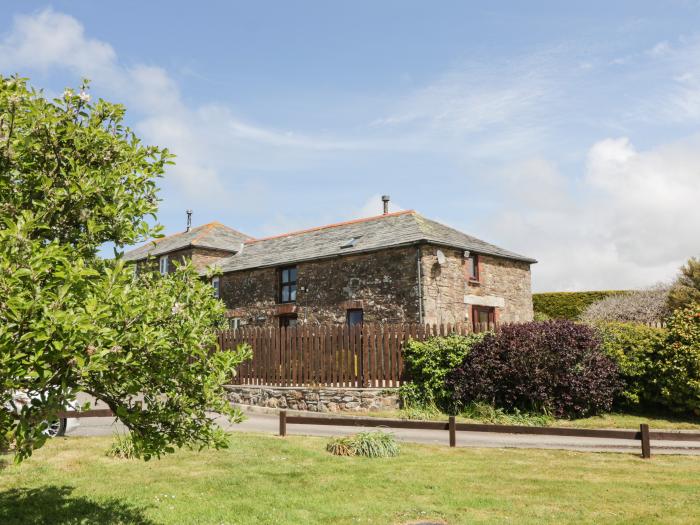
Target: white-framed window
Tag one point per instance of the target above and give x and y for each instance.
(216, 284)
(234, 323)
(163, 261)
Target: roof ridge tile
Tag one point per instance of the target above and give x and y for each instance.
(332, 225)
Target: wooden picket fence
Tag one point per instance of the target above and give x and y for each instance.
(333, 355)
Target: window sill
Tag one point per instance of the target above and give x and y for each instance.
(474, 282)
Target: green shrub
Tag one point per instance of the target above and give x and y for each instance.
(635, 348)
(679, 361)
(567, 305)
(541, 316)
(375, 444)
(426, 365)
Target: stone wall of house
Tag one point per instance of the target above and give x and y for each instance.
(315, 399)
(203, 257)
(251, 295)
(383, 284)
(200, 257)
(448, 293)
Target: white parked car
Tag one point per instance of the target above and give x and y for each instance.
(56, 427)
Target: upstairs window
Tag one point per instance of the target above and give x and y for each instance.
(163, 264)
(216, 285)
(473, 268)
(288, 284)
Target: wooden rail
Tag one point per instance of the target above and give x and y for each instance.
(103, 412)
(333, 355)
(643, 435)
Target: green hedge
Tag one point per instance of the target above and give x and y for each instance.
(567, 305)
(636, 349)
(679, 362)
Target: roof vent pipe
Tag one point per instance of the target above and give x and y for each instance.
(385, 200)
(189, 220)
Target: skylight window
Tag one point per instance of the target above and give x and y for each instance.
(351, 242)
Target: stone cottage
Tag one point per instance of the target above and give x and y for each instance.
(392, 268)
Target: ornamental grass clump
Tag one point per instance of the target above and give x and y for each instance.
(375, 444)
(122, 447)
(552, 367)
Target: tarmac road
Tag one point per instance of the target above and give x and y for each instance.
(266, 421)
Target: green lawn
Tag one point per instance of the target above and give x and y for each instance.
(264, 479)
(614, 420)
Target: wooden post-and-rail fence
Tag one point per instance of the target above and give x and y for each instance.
(644, 435)
(332, 355)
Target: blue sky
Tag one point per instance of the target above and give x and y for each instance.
(565, 132)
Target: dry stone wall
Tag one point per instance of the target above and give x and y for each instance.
(315, 399)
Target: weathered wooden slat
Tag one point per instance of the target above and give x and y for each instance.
(345, 348)
(352, 357)
(338, 356)
(386, 364)
(323, 354)
(306, 347)
(674, 436)
(365, 350)
(103, 412)
(267, 365)
(549, 431)
(366, 422)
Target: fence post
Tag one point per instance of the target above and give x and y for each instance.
(283, 423)
(646, 444)
(453, 431)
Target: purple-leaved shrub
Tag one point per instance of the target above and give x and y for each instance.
(553, 367)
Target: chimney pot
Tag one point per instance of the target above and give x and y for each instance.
(385, 201)
(189, 220)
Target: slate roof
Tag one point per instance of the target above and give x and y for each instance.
(211, 235)
(361, 235)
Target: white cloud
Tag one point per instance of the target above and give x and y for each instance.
(47, 39)
(478, 109)
(629, 222)
(210, 141)
(674, 82)
(660, 49)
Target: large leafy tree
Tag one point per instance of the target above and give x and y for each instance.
(686, 288)
(72, 177)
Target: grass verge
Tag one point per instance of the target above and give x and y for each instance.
(263, 479)
(487, 414)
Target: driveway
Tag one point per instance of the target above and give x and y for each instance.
(263, 422)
